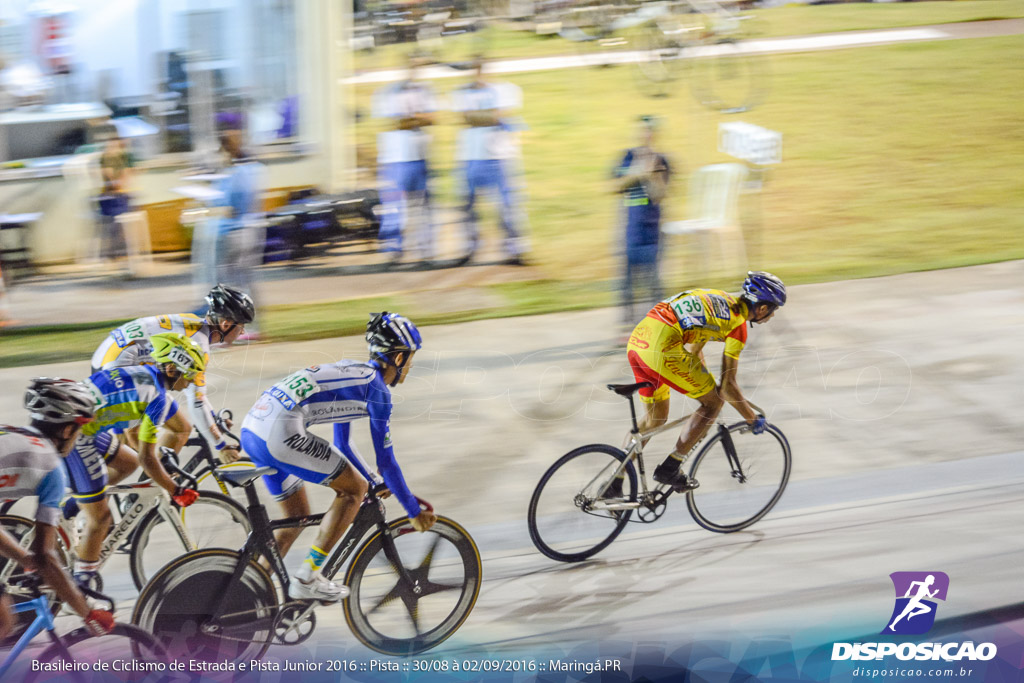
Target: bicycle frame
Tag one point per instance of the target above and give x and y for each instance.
(635, 451)
(261, 541)
(148, 496)
(42, 622)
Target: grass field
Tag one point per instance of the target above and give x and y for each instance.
(505, 42)
(896, 158)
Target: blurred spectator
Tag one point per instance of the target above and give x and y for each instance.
(642, 177)
(487, 152)
(402, 163)
(116, 172)
(241, 230)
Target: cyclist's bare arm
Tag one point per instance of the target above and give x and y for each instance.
(46, 563)
(150, 461)
(10, 549)
(730, 389)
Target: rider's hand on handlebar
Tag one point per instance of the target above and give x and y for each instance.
(229, 454)
(759, 425)
(423, 521)
(99, 622)
(184, 497)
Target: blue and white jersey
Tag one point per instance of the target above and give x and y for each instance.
(127, 397)
(31, 466)
(340, 393)
(398, 101)
(481, 143)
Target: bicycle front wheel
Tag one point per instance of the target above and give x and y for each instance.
(569, 515)
(140, 653)
(395, 617)
(213, 521)
(176, 607)
(730, 80)
(731, 498)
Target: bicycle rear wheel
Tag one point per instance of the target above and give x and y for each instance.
(728, 499)
(177, 603)
(394, 617)
(567, 518)
(124, 643)
(213, 521)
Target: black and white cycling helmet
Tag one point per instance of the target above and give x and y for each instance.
(230, 303)
(55, 400)
(389, 332)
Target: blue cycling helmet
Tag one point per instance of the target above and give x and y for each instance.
(390, 332)
(764, 288)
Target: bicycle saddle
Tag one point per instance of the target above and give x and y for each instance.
(628, 389)
(240, 476)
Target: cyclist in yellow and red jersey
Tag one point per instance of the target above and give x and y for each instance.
(230, 310)
(666, 349)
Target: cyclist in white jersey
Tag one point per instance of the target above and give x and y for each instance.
(274, 434)
(230, 310)
(32, 464)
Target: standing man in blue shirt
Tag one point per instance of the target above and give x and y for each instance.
(403, 173)
(240, 236)
(642, 178)
(274, 434)
(487, 152)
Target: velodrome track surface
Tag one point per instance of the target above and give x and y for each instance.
(900, 398)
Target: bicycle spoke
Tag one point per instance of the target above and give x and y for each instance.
(432, 588)
(388, 598)
(429, 557)
(412, 606)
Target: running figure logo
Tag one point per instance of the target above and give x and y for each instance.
(914, 612)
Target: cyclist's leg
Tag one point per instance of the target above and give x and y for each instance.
(6, 615)
(290, 449)
(287, 489)
(711, 402)
(643, 350)
(121, 462)
(88, 474)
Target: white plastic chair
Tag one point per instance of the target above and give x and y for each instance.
(713, 206)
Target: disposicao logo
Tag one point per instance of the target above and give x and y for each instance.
(916, 593)
(914, 614)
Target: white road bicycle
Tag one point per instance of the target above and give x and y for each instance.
(156, 529)
(584, 500)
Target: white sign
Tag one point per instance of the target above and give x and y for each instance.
(750, 143)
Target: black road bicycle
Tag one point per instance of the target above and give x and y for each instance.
(409, 591)
(584, 501)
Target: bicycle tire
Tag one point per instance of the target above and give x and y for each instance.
(143, 564)
(176, 602)
(579, 497)
(470, 574)
(85, 647)
(711, 78)
(719, 489)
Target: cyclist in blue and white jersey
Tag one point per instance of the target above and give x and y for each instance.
(127, 398)
(32, 464)
(274, 434)
(230, 310)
